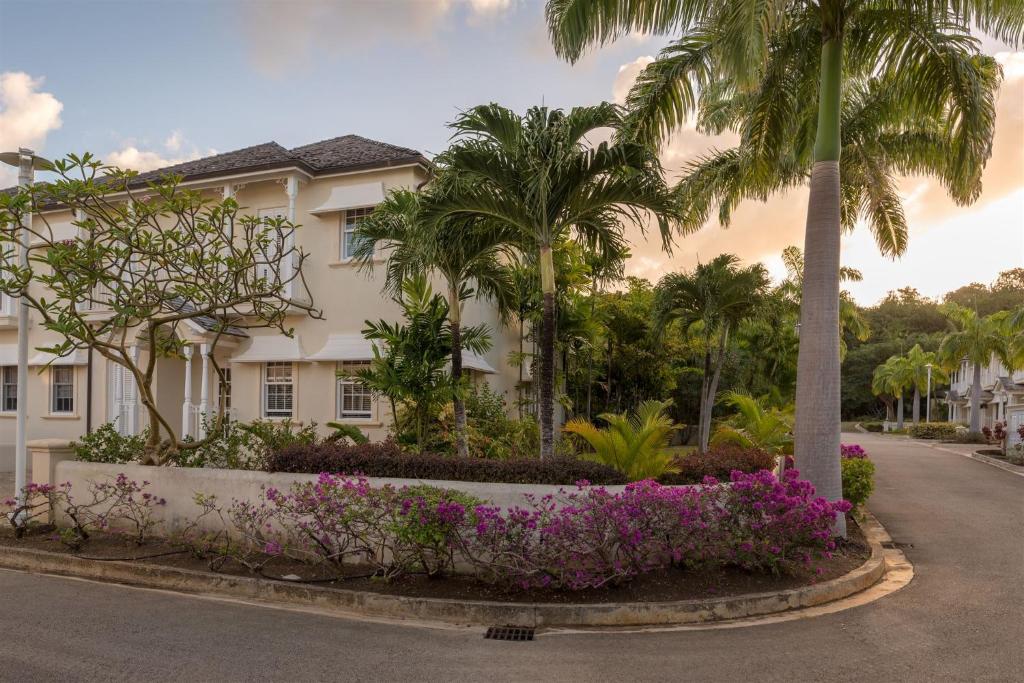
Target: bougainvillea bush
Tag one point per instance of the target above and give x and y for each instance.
(852, 450)
(584, 538)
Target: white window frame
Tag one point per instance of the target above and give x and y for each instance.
(54, 384)
(358, 213)
(8, 372)
(277, 382)
(351, 383)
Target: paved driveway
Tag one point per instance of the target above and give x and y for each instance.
(961, 619)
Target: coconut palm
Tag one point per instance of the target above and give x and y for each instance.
(882, 87)
(892, 378)
(635, 445)
(978, 340)
(712, 301)
(919, 361)
(542, 181)
(467, 254)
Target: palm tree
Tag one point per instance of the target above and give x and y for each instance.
(850, 317)
(892, 378)
(712, 301)
(885, 87)
(755, 425)
(410, 370)
(542, 182)
(978, 340)
(635, 445)
(919, 361)
(466, 253)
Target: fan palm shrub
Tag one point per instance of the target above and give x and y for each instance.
(844, 93)
(893, 378)
(541, 181)
(755, 425)
(635, 445)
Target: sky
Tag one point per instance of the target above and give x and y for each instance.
(146, 83)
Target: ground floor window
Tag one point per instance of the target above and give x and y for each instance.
(9, 389)
(354, 398)
(278, 389)
(62, 389)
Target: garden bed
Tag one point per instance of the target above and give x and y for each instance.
(660, 586)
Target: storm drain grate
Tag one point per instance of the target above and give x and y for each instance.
(516, 633)
(897, 545)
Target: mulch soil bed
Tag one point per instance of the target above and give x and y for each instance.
(660, 586)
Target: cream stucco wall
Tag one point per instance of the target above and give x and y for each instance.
(347, 296)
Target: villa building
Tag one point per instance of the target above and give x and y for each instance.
(327, 188)
(1001, 399)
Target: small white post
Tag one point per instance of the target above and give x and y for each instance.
(186, 406)
(928, 405)
(204, 390)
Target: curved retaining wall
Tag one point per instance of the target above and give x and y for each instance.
(178, 485)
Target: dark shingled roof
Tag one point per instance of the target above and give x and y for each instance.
(207, 322)
(348, 152)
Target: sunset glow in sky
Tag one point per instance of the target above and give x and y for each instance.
(148, 84)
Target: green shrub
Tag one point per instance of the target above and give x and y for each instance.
(858, 480)
(943, 431)
(872, 426)
(105, 444)
(245, 446)
(964, 436)
(490, 432)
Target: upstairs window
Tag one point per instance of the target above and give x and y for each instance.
(350, 220)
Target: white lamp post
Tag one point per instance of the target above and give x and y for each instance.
(28, 163)
(928, 404)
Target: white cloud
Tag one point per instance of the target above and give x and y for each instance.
(131, 156)
(283, 35)
(27, 116)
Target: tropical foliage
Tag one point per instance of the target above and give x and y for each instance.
(633, 444)
(755, 425)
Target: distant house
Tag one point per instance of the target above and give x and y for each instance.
(1001, 400)
(326, 187)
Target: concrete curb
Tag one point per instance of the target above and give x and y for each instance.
(367, 604)
(1005, 466)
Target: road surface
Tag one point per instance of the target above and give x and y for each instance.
(962, 618)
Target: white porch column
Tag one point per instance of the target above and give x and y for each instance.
(133, 413)
(204, 390)
(229, 193)
(186, 406)
(291, 188)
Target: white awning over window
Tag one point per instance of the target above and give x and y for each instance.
(275, 348)
(76, 357)
(471, 361)
(8, 354)
(344, 347)
(351, 196)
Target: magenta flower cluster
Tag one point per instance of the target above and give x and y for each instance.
(585, 538)
(852, 450)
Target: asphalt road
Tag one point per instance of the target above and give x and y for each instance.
(962, 618)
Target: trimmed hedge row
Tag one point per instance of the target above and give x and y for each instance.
(933, 430)
(387, 459)
(719, 462)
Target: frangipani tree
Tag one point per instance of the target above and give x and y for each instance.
(145, 260)
(845, 94)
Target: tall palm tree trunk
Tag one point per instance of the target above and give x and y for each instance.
(817, 393)
(976, 399)
(916, 410)
(458, 405)
(703, 407)
(547, 356)
(899, 412)
(712, 391)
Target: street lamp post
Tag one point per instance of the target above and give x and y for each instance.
(928, 404)
(28, 163)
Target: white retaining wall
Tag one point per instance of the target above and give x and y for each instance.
(178, 485)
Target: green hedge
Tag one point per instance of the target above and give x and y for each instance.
(944, 431)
